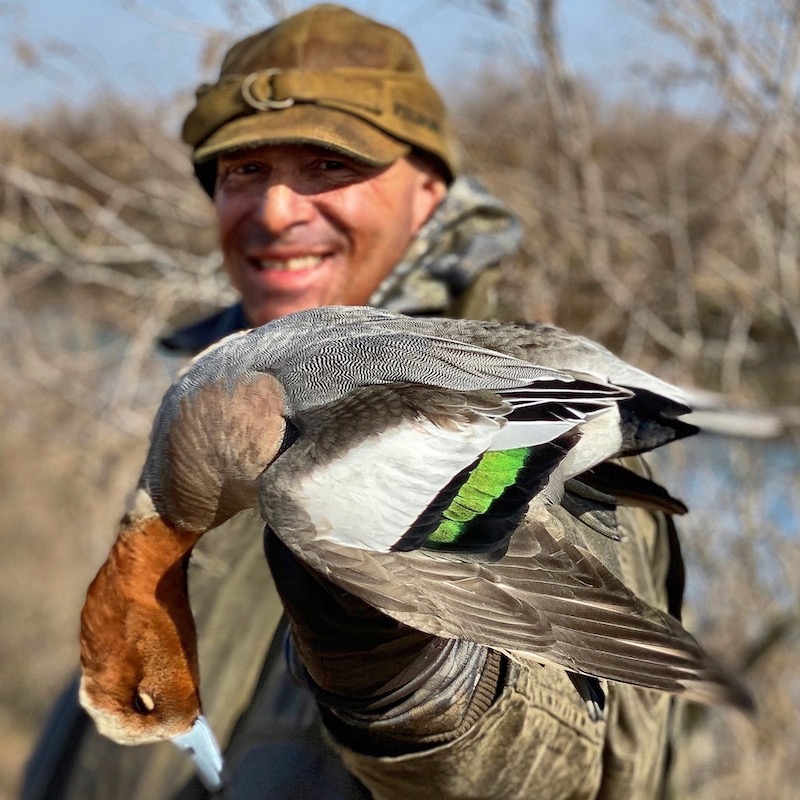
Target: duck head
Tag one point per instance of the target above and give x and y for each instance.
(140, 680)
(138, 642)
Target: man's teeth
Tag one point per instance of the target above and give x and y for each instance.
(289, 264)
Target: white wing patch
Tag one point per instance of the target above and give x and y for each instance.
(374, 493)
(600, 439)
(526, 434)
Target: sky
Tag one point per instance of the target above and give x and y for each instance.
(68, 51)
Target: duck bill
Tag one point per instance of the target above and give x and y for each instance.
(201, 746)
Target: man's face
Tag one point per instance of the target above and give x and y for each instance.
(301, 226)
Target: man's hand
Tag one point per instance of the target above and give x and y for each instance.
(386, 687)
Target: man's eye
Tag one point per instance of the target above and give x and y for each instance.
(238, 169)
(250, 168)
(331, 165)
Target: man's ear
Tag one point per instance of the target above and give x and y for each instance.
(431, 190)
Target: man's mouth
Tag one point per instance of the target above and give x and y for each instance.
(297, 264)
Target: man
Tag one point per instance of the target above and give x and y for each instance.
(327, 155)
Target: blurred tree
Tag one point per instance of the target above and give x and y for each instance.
(674, 238)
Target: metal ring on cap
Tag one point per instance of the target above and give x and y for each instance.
(263, 105)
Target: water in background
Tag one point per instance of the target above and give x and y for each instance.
(744, 506)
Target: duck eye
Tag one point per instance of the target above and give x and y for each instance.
(291, 434)
(143, 703)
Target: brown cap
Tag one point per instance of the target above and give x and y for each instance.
(326, 76)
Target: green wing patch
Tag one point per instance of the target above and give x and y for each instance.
(481, 507)
(495, 472)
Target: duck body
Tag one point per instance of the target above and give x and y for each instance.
(347, 380)
(404, 458)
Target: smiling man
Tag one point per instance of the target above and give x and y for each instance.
(303, 226)
(327, 154)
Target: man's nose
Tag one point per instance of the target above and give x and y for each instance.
(282, 207)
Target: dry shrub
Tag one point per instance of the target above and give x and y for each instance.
(740, 540)
(674, 240)
(650, 270)
(104, 238)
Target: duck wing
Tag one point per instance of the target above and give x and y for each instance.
(402, 466)
(397, 494)
(545, 600)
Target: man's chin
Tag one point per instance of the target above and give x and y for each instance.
(271, 310)
(268, 295)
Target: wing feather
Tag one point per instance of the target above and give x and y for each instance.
(545, 600)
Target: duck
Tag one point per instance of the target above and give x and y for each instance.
(411, 461)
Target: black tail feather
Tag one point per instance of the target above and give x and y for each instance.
(625, 487)
(649, 420)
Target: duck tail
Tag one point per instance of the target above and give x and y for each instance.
(649, 420)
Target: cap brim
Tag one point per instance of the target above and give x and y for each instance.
(305, 124)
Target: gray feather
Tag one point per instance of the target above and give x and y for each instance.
(549, 598)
